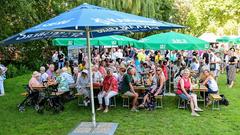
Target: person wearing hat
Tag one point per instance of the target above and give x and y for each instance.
(35, 80)
(121, 72)
(127, 88)
(110, 89)
(83, 86)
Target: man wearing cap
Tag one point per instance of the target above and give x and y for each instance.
(128, 89)
(83, 86)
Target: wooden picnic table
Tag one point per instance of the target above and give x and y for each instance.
(140, 89)
(201, 88)
(39, 88)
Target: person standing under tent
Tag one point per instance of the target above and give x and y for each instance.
(61, 58)
(55, 59)
(80, 56)
(232, 68)
(217, 61)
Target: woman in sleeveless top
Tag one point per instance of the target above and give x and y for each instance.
(210, 83)
(157, 86)
(184, 91)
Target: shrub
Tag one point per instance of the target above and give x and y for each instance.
(12, 71)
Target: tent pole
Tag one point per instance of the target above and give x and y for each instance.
(90, 76)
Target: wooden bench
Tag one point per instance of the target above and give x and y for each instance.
(215, 98)
(113, 102)
(80, 98)
(159, 100)
(126, 101)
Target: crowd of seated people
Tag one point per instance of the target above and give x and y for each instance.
(118, 72)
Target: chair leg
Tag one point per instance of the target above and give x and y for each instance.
(80, 101)
(113, 102)
(159, 103)
(128, 105)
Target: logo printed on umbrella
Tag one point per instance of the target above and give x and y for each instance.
(179, 41)
(109, 21)
(56, 23)
(70, 42)
(126, 28)
(114, 42)
(162, 46)
(48, 34)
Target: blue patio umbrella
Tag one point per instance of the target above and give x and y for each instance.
(87, 21)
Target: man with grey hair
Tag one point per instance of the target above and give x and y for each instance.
(44, 75)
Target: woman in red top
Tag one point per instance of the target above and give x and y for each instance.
(110, 89)
(184, 91)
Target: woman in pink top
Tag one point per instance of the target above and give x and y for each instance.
(110, 89)
(184, 91)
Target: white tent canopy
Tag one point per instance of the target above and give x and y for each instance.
(209, 37)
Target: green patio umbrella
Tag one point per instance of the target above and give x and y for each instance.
(224, 39)
(99, 41)
(237, 40)
(172, 41)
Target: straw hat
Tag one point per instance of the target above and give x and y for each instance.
(85, 71)
(36, 74)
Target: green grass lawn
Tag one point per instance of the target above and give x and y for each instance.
(168, 120)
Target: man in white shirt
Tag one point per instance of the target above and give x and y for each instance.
(97, 76)
(217, 60)
(118, 54)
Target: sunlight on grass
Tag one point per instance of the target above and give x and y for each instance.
(168, 120)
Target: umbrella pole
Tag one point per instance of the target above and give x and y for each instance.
(90, 74)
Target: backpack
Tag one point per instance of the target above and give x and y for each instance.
(224, 101)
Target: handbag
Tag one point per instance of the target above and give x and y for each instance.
(213, 66)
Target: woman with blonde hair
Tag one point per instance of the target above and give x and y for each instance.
(156, 88)
(184, 91)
